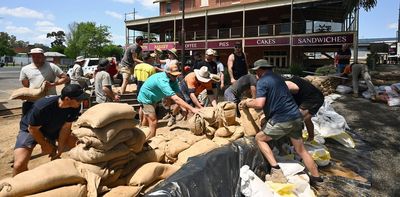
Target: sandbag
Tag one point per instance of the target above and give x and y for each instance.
(121, 161)
(112, 178)
(66, 191)
(223, 132)
(173, 148)
(150, 173)
(124, 191)
(226, 113)
(106, 133)
(155, 155)
(94, 142)
(103, 114)
(221, 141)
(198, 148)
(100, 169)
(136, 142)
(248, 122)
(189, 138)
(29, 94)
(208, 114)
(92, 155)
(157, 142)
(238, 132)
(57, 173)
(196, 124)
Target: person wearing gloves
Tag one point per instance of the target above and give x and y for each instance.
(49, 121)
(285, 119)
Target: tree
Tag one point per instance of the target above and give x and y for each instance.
(112, 51)
(59, 38)
(366, 4)
(5, 44)
(86, 38)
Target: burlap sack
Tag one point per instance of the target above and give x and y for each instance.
(221, 141)
(155, 155)
(124, 191)
(173, 148)
(238, 132)
(150, 173)
(226, 113)
(189, 138)
(198, 148)
(248, 122)
(136, 142)
(57, 173)
(94, 142)
(157, 142)
(223, 132)
(196, 124)
(121, 161)
(112, 178)
(92, 155)
(151, 186)
(29, 94)
(106, 133)
(208, 114)
(66, 191)
(100, 169)
(103, 114)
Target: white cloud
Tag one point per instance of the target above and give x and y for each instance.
(47, 27)
(44, 23)
(114, 14)
(392, 26)
(127, 1)
(21, 12)
(149, 3)
(42, 38)
(18, 30)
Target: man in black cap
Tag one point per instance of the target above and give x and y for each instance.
(132, 56)
(103, 84)
(49, 121)
(285, 119)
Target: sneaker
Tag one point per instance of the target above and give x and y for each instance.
(276, 176)
(319, 187)
(171, 121)
(167, 116)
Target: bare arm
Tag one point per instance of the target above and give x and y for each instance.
(222, 79)
(65, 132)
(257, 103)
(136, 59)
(110, 94)
(293, 88)
(183, 104)
(25, 83)
(230, 65)
(195, 100)
(253, 91)
(46, 146)
(63, 78)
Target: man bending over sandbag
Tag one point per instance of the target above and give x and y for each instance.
(285, 119)
(49, 120)
(308, 98)
(154, 89)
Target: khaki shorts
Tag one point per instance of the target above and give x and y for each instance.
(292, 129)
(148, 109)
(126, 72)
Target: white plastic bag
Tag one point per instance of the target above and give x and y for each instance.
(327, 122)
(342, 89)
(251, 185)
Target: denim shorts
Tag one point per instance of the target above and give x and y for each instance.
(25, 140)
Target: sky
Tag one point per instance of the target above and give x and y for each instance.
(31, 20)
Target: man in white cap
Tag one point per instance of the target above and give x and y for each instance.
(285, 119)
(38, 72)
(155, 88)
(77, 73)
(196, 84)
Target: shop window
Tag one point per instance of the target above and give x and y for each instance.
(168, 7)
(181, 5)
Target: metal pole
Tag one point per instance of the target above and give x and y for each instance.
(134, 18)
(291, 35)
(183, 35)
(355, 41)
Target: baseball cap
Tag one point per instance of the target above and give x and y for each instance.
(261, 63)
(173, 70)
(74, 91)
(36, 50)
(210, 52)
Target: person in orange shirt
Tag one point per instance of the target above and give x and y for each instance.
(197, 87)
(356, 70)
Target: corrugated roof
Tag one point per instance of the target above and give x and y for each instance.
(54, 54)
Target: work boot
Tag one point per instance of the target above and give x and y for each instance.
(276, 176)
(171, 121)
(317, 184)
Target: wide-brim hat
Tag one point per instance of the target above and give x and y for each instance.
(36, 51)
(210, 52)
(202, 74)
(80, 59)
(173, 51)
(173, 70)
(262, 63)
(215, 78)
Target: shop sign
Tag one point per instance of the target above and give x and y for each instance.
(161, 46)
(192, 45)
(267, 41)
(222, 44)
(323, 40)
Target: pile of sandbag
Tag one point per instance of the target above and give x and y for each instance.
(326, 84)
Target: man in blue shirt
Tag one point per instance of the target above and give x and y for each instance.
(154, 89)
(285, 119)
(49, 121)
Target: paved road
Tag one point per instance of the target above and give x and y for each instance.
(9, 81)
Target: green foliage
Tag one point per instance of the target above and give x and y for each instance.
(60, 49)
(87, 39)
(59, 38)
(296, 70)
(6, 44)
(112, 51)
(326, 70)
(372, 59)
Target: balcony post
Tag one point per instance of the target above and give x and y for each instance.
(206, 28)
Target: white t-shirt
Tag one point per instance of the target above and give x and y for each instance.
(36, 76)
(102, 79)
(77, 76)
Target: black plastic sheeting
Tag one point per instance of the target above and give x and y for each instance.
(215, 173)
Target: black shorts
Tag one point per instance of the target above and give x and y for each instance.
(26, 140)
(312, 106)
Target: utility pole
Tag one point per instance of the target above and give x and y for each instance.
(291, 35)
(183, 35)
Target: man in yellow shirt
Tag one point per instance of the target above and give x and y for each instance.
(144, 70)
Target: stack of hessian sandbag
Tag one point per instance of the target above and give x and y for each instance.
(326, 84)
(29, 94)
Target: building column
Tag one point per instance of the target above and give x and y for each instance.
(355, 41)
(148, 31)
(206, 28)
(243, 28)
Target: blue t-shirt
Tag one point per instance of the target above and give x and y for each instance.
(280, 106)
(156, 87)
(47, 114)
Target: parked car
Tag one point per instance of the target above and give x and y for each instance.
(89, 67)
